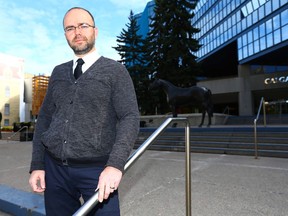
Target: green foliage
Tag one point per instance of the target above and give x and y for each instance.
(171, 37)
(166, 53)
(7, 128)
(131, 49)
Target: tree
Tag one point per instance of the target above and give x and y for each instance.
(131, 49)
(171, 37)
(172, 45)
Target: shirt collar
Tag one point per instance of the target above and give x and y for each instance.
(89, 59)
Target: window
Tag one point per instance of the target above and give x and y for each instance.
(256, 46)
(255, 3)
(252, 6)
(269, 26)
(269, 40)
(268, 8)
(255, 33)
(284, 17)
(262, 43)
(6, 122)
(285, 33)
(255, 16)
(250, 37)
(7, 109)
(277, 36)
(7, 91)
(275, 4)
(250, 49)
(262, 30)
(261, 12)
(276, 22)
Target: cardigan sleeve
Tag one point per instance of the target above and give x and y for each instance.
(125, 104)
(42, 124)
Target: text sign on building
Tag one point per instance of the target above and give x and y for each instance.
(275, 80)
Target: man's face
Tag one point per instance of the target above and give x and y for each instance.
(82, 38)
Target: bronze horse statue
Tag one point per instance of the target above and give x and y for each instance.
(195, 95)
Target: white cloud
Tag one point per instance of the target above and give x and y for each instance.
(31, 31)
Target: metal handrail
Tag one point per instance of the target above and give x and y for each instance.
(14, 134)
(87, 206)
(262, 104)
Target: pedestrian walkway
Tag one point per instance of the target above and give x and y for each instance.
(222, 185)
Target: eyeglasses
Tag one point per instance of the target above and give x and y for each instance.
(82, 26)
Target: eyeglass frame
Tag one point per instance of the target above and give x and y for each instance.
(81, 26)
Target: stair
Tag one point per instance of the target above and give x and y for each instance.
(10, 136)
(237, 140)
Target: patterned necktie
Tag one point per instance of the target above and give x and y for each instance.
(78, 70)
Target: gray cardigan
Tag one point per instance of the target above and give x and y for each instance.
(95, 118)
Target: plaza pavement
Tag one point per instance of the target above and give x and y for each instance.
(222, 185)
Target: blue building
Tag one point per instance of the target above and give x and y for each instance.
(143, 19)
(244, 53)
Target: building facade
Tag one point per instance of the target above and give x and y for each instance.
(12, 105)
(243, 54)
(21, 94)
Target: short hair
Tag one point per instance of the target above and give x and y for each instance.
(80, 9)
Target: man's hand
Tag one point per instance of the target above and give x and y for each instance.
(37, 181)
(109, 181)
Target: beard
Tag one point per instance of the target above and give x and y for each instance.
(83, 48)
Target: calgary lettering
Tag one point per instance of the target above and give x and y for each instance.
(274, 80)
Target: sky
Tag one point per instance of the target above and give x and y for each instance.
(33, 30)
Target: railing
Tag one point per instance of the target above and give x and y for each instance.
(14, 134)
(262, 104)
(87, 206)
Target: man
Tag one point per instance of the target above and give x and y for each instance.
(86, 127)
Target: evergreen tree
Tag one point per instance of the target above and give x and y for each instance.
(172, 45)
(171, 37)
(131, 49)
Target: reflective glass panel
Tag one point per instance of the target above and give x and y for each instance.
(268, 8)
(269, 40)
(269, 26)
(244, 39)
(276, 22)
(261, 12)
(245, 52)
(240, 54)
(250, 37)
(284, 32)
(277, 36)
(250, 49)
(256, 46)
(255, 16)
(275, 4)
(262, 43)
(255, 33)
(284, 17)
(262, 29)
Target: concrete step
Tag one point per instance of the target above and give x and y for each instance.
(271, 141)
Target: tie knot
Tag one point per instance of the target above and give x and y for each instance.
(80, 61)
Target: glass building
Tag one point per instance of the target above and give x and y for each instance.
(244, 53)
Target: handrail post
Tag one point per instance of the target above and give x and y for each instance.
(262, 104)
(9, 138)
(264, 112)
(89, 204)
(188, 170)
(255, 139)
